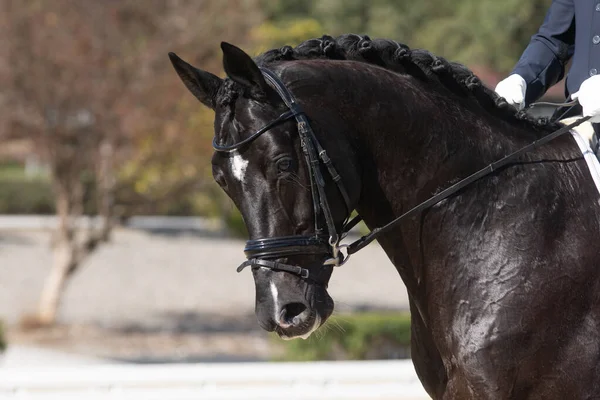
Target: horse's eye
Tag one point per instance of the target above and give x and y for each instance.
(285, 164)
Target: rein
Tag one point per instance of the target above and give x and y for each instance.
(265, 252)
(444, 194)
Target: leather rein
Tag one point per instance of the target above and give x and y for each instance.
(265, 252)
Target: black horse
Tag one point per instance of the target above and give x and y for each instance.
(502, 275)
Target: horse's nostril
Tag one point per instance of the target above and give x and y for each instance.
(291, 312)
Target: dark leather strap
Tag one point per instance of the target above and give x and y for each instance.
(351, 224)
(274, 265)
(284, 246)
(313, 152)
(331, 169)
(281, 119)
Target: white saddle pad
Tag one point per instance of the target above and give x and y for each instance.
(585, 138)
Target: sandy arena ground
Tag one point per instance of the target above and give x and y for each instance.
(150, 296)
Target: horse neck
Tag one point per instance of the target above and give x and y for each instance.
(411, 141)
(414, 140)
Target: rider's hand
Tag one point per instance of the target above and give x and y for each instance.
(513, 90)
(589, 98)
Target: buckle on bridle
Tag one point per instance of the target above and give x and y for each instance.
(304, 273)
(338, 257)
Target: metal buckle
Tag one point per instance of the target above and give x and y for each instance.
(337, 254)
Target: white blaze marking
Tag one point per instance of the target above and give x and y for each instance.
(274, 293)
(238, 166)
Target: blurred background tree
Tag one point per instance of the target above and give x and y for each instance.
(89, 86)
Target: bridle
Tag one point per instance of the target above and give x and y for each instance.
(325, 240)
(265, 252)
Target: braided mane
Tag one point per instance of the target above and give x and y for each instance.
(421, 64)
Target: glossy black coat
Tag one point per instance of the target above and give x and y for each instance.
(503, 277)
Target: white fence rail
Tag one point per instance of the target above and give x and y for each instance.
(364, 380)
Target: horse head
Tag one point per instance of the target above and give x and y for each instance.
(293, 212)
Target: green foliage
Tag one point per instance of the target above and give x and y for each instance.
(16, 171)
(486, 33)
(273, 34)
(170, 164)
(25, 196)
(20, 194)
(275, 9)
(360, 336)
(33, 194)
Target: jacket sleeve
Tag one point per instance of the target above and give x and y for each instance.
(543, 61)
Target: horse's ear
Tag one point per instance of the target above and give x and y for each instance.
(202, 84)
(240, 67)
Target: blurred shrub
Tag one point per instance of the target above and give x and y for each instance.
(361, 336)
(26, 196)
(288, 32)
(35, 196)
(22, 194)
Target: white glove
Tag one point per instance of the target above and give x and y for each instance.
(589, 98)
(513, 90)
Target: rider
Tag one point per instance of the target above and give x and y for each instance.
(571, 29)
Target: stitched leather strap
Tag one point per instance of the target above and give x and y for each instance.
(274, 265)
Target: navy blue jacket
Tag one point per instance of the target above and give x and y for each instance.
(571, 29)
